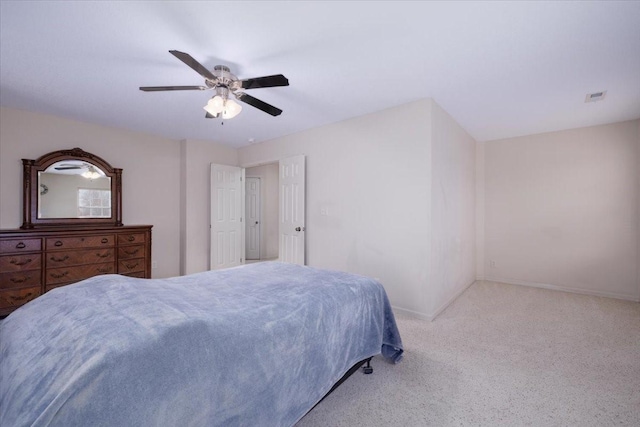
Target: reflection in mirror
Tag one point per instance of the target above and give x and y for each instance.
(74, 189)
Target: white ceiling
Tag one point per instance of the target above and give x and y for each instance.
(501, 69)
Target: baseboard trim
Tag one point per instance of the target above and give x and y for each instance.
(455, 296)
(562, 288)
(442, 308)
(411, 313)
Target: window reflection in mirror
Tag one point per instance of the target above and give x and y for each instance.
(74, 189)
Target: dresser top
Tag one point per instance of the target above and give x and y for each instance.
(74, 229)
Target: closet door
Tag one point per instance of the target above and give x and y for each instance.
(292, 212)
(227, 228)
(252, 218)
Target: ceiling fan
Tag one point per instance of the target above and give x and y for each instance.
(69, 166)
(90, 172)
(224, 83)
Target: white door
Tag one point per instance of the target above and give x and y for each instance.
(227, 239)
(292, 201)
(252, 218)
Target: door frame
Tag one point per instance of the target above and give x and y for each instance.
(276, 161)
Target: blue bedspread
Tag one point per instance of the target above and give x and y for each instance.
(257, 345)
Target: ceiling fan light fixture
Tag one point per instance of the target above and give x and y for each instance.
(231, 109)
(227, 107)
(224, 83)
(91, 173)
(214, 106)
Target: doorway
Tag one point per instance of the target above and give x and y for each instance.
(262, 206)
(282, 212)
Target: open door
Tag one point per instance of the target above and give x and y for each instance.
(292, 214)
(227, 207)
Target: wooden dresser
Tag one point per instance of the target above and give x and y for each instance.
(35, 261)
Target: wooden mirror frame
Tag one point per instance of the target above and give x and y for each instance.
(30, 186)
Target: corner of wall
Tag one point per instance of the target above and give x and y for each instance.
(453, 212)
(638, 209)
(480, 236)
(183, 206)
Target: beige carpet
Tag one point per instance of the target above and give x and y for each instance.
(503, 355)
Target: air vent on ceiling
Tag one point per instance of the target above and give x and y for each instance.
(596, 96)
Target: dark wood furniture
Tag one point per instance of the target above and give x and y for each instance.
(35, 261)
(31, 186)
(54, 249)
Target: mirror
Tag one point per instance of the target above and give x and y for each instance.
(71, 187)
(74, 189)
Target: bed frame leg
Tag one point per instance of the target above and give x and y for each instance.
(368, 369)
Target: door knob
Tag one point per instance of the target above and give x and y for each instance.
(256, 222)
(298, 229)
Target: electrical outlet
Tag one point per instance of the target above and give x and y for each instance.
(492, 264)
(154, 264)
(324, 211)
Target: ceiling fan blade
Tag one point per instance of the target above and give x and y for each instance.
(159, 88)
(267, 81)
(255, 102)
(210, 116)
(68, 167)
(195, 65)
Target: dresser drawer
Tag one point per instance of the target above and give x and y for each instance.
(131, 266)
(75, 274)
(126, 239)
(133, 251)
(20, 245)
(80, 242)
(20, 262)
(20, 279)
(84, 256)
(16, 297)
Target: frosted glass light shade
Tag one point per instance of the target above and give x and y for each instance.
(214, 106)
(91, 173)
(231, 109)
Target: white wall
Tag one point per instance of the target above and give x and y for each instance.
(453, 215)
(562, 210)
(195, 187)
(373, 175)
(150, 172)
(480, 210)
(269, 207)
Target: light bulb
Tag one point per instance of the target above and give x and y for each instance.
(214, 106)
(91, 173)
(231, 109)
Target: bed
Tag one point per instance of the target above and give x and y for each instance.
(256, 345)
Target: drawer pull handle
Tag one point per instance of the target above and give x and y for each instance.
(22, 280)
(64, 258)
(104, 240)
(131, 238)
(130, 266)
(59, 276)
(99, 255)
(16, 262)
(103, 269)
(131, 252)
(21, 298)
(21, 245)
(58, 243)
